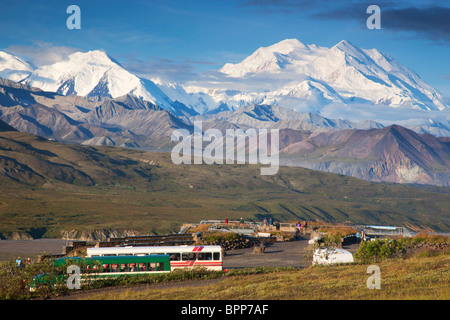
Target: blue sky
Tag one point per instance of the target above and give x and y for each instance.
(178, 39)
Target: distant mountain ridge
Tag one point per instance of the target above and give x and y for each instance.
(274, 117)
(67, 117)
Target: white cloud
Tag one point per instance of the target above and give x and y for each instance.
(41, 53)
(384, 114)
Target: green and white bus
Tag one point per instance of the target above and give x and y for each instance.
(105, 267)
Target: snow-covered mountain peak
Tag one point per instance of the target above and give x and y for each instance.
(346, 46)
(268, 59)
(78, 73)
(343, 73)
(352, 55)
(14, 68)
(287, 46)
(94, 73)
(93, 55)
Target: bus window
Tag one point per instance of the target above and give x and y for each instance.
(142, 267)
(115, 268)
(133, 267)
(124, 267)
(216, 255)
(188, 256)
(160, 266)
(176, 256)
(106, 268)
(151, 266)
(204, 256)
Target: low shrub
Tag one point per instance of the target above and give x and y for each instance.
(15, 281)
(426, 237)
(211, 237)
(378, 250)
(337, 232)
(332, 237)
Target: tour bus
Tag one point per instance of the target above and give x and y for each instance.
(105, 267)
(209, 257)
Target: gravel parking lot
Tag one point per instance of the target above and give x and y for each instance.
(11, 249)
(278, 254)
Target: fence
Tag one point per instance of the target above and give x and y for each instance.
(385, 231)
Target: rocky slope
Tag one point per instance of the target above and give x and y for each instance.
(391, 154)
(126, 121)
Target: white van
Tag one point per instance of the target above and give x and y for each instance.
(332, 256)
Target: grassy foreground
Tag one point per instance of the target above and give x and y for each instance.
(425, 276)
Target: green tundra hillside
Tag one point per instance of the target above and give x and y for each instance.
(48, 188)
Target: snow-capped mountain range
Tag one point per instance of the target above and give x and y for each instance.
(343, 73)
(335, 82)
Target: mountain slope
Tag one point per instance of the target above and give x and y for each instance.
(5, 127)
(95, 74)
(32, 160)
(392, 154)
(124, 121)
(14, 68)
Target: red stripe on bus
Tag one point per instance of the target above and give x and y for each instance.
(189, 263)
